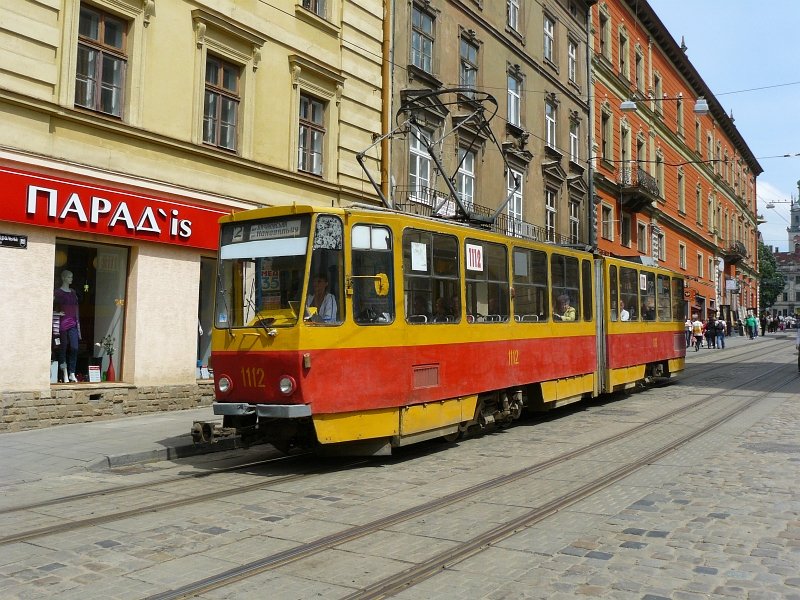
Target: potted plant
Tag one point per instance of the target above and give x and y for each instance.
(108, 347)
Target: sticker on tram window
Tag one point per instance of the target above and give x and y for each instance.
(474, 257)
(643, 282)
(275, 230)
(419, 257)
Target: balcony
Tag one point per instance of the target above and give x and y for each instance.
(638, 189)
(735, 252)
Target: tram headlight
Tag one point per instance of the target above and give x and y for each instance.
(224, 384)
(287, 385)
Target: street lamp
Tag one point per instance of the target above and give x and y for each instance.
(700, 105)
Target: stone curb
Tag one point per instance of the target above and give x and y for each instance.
(169, 453)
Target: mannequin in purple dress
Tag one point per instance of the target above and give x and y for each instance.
(65, 300)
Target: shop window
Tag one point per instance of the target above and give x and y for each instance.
(90, 332)
(431, 281)
(566, 286)
(205, 316)
(530, 286)
(487, 282)
(372, 256)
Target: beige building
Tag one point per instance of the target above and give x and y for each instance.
(129, 127)
(531, 58)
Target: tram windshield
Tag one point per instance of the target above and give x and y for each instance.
(261, 268)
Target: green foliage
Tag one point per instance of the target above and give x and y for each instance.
(772, 281)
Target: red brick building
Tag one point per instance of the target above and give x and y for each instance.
(673, 184)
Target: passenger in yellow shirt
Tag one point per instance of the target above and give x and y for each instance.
(565, 311)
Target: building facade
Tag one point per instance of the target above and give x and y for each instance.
(674, 185)
(129, 128)
(788, 263)
(529, 162)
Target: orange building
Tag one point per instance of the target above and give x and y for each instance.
(674, 180)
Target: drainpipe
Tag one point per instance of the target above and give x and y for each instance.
(386, 100)
(592, 208)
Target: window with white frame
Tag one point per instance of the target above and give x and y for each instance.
(606, 222)
(550, 214)
(468, 72)
(311, 136)
(574, 221)
(515, 203)
(679, 116)
(623, 55)
(699, 264)
(605, 34)
(698, 198)
(641, 237)
(419, 166)
(625, 230)
(662, 246)
(681, 255)
(574, 141)
(659, 93)
(465, 179)
(514, 99)
(572, 61)
(550, 124)
(660, 174)
(422, 39)
(681, 192)
(101, 62)
(606, 135)
(697, 131)
(549, 38)
(315, 6)
(221, 103)
(639, 70)
(512, 14)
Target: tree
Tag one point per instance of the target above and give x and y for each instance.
(772, 280)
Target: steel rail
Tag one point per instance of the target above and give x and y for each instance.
(303, 551)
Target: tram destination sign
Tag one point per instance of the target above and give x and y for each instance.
(275, 230)
(10, 240)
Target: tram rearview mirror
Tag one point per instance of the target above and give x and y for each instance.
(381, 284)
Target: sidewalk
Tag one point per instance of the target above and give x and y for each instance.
(53, 451)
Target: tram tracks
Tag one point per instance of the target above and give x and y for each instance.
(232, 489)
(435, 564)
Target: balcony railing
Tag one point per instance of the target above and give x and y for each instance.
(423, 201)
(734, 252)
(639, 189)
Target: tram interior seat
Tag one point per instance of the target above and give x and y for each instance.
(530, 318)
(443, 320)
(417, 319)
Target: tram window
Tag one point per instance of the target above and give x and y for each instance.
(566, 282)
(588, 297)
(613, 292)
(677, 299)
(487, 282)
(431, 280)
(372, 255)
(647, 297)
(326, 266)
(628, 291)
(530, 286)
(664, 301)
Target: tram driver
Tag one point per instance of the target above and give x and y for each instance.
(565, 311)
(322, 300)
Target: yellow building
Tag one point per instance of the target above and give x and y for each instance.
(129, 127)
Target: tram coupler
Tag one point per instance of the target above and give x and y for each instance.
(205, 432)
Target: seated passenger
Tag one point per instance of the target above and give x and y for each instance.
(565, 311)
(443, 313)
(649, 310)
(624, 315)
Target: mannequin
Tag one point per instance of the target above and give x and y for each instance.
(65, 300)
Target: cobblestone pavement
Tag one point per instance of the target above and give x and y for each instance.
(719, 518)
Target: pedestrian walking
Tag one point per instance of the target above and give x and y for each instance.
(688, 330)
(710, 332)
(697, 332)
(720, 330)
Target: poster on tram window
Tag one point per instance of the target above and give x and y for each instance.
(270, 288)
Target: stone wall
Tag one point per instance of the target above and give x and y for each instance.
(81, 403)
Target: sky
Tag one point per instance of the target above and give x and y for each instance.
(739, 45)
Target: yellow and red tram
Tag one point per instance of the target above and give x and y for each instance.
(361, 329)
